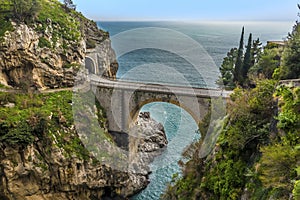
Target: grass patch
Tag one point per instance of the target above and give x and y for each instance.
(72, 65)
(51, 117)
(43, 42)
(4, 19)
(65, 26)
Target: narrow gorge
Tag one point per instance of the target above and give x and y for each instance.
(42, 155)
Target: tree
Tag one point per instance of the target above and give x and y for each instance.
(269, 61)
(4, 7)
(239, 61)
(69, 4)
(290, 67)
(256, 51)
(227, 69)
(277, 164)
(247, 59)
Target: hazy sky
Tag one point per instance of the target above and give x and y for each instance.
(218, 10)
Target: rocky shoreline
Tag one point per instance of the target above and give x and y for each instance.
(147, 139)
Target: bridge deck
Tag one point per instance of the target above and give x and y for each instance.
(159, 88)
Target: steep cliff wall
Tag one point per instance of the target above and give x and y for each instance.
(24, 62)
(43, 156)
(49, 51)
(33, 173)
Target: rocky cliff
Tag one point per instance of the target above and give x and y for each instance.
(42, 153)
(44, 157)
(48, 52)
(23, 62)
(32, 173)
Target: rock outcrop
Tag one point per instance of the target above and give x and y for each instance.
(42, 59)
(23, 63)
(151, 134)
(104, 60)
(99, 49)
(31, 174)
(43, 171)
(147, 140)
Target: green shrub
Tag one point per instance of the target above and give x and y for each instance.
(75, 66)
(43, 42)
(19, 135)
(296, 190)
(90, 43)
(43, 116)
(5, 26)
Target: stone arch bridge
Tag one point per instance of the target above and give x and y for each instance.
(123, 100)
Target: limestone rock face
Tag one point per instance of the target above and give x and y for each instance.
(99, 49)
(153, 136)
(30, 174)
(23, 62)
(29, 58)
(42, 171)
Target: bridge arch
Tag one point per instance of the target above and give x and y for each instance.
(135, 112)
(90, 65)
(196, 107)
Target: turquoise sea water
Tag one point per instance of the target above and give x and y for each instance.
(203, 45)
(180, 128)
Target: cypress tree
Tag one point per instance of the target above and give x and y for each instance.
(239, 60)
(247, 59)
(256, 51)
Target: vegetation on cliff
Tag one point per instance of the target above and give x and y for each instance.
(25, 118)
(68, 24)
(290, 65)
(257, 155)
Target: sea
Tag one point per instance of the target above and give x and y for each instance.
(178, 53)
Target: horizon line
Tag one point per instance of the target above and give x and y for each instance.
(193, 21)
